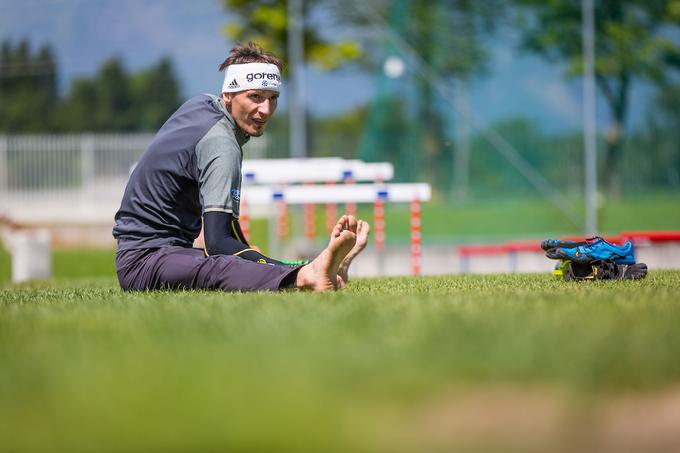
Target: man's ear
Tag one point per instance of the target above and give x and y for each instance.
(226, 97)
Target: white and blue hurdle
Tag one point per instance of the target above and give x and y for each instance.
(330, 181)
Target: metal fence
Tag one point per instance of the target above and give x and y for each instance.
(55, 177)
(46, 165)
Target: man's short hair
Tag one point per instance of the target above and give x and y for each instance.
(251, 53)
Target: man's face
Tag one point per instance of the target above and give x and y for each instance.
(251, 109)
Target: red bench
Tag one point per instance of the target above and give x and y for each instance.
(513, 247)
(651, 236)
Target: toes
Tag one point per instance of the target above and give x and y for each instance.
(342, 221)
(352, 223)
(363, 230)
(337, 229)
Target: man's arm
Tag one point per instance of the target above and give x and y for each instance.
(223, 236)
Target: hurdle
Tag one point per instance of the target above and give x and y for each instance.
(330, 181)
(414, 193)
(313, 170)
(323, 170)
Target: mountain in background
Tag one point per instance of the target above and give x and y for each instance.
(84, 33)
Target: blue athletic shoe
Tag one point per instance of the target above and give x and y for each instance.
(597, 249)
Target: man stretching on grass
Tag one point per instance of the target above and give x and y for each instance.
(191, 173)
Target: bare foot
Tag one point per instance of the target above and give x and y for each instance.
(345, 222)
(362, 231)
(321, 274)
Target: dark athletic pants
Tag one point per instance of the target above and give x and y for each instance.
(189, 268)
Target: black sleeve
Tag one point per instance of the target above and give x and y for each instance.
(222, 236)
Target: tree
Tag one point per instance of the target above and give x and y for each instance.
(28, 87)
(76, 111)
(117, 101)
(155, 94)
(114, 108)
(102, 104)
(633, 41)
(663, 136)
(447, 34)
(266, 22)
(111, 101)
(443, 41)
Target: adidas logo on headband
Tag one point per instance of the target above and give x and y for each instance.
(234, 84)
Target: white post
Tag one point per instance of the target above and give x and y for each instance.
(298, 128)
(31, 255)
(589, 116)
(87, 165)
(461, 157)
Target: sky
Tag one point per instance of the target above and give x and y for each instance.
(84, 33)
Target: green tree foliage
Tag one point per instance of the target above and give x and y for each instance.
(113, 100)
(338, 135)
(667, 101)
(447, 39)
(114, 97)
(116, 101)
(101, 104)
(266, 22)
(155, 94)
(558, 157)
(633, 40)
(75, 112)
(660, 138)
(28, 87)
(448, 36)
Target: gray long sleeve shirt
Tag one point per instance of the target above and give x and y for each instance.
(192, 166)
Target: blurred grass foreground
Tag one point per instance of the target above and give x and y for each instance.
(478, 363)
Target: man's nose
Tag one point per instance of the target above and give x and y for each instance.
(266, 108)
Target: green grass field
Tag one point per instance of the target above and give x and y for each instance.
(465, 363)
(478, 363)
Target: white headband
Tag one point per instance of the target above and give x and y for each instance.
(251, 76)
